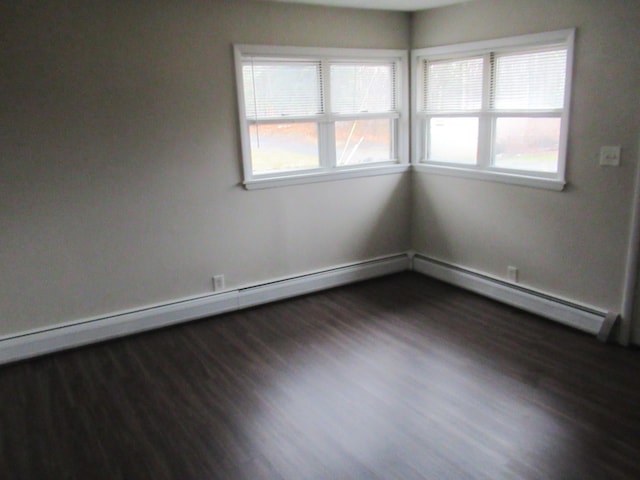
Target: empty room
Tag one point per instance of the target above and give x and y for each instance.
(340, 239)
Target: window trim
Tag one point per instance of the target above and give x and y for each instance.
(483, 170)
(325, 171)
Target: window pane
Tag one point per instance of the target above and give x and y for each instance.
(362, 88)
(533, 80)
(274, 89)
(363, 141)
(453, 85)
(453, 140)
(284, 146)
(527, 143)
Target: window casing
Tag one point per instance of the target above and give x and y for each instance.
(495, 110)
(311, 114)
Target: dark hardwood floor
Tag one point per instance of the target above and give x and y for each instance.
(401, 377)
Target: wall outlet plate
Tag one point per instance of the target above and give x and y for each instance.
(218, 283)
(610, 155)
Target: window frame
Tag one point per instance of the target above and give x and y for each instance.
(328, 169)
(483, 169)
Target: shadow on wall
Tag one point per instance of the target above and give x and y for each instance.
(487, 227)
(428, 235)
(394, 210)
(356, 224)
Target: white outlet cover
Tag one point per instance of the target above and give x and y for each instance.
(218, 283)
(610, 155)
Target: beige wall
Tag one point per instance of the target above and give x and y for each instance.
(570, 243)
(119, 158)
(120, 169)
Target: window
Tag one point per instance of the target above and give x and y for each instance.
(495, 110)
(311, 114)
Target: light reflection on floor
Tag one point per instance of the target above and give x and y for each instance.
(436, 412)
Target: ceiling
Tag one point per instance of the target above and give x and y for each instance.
(401, 5)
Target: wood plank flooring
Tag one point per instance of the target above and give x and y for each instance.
(401, 377)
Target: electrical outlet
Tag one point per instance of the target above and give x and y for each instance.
(218, 283)
(512, 274)
(610, 155)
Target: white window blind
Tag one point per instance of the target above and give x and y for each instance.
(276, 90)
(453, 85)
(309, 114)
(529, 81)
(495, 109)
(363, 88)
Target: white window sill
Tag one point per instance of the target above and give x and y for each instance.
(324, 176)
(493, 176)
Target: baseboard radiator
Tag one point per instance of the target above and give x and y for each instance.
(83, 332)
(574, 315)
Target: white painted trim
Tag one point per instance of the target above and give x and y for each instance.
(483, 171)
(578, 316)
(321, 281)
(631, 265)
(83, 332)
(324, 176)
(327, 170)
(557, 37)
(492, 176)
(313, 53)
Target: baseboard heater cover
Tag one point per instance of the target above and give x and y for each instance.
(75, 334)
(574, 315)
(304, 284)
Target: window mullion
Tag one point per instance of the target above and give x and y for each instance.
(393, 147)
(424, 138)
(486, 120)
(326, 140)
(327, 125)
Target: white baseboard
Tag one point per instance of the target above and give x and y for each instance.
(84, 332)
(574, 315)
(75, 334)
(321, 281)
